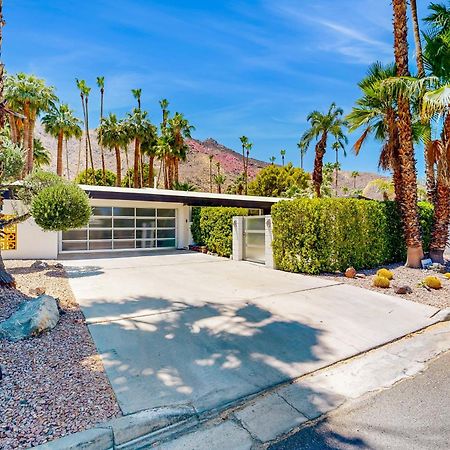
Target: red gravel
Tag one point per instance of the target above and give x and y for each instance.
(55, 384)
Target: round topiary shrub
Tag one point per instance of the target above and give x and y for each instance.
(385, 273)
(432, 282)
(61, 207)
(381, 282)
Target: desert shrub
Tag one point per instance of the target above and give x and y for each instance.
(60, 207)
(322, 235)
(95, 178)
(213, 227)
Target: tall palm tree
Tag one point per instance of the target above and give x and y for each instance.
(149, 147)
(61, 124)
(417, 40)
(406, 149)
(354, 175)
(211, 157)
(303, 149)
(219, 179)
(336, 146)
(163, 144)
(246, 148)
(101, 85)
(113, 136)
(29, 95)
(321, 126)
(137, 127)
(283, 154)
(84, 96)
(179, 129)
(137, 93)
(272, 160)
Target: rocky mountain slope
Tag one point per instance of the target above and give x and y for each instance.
(195, 169)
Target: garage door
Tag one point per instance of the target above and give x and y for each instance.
(123, 228)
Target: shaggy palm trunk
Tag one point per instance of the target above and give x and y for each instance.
(317, 175)
(67, 161)
(441, 220)
(337, 173)
(26, 133)
(102, 153)
(430, 174)
(151, 163)
(91, 156)
(13, 127)
(118, 166)
(177, 170)
(136, 163)
(417, 41)
(406, 151)
(59, 154)
(31, 138)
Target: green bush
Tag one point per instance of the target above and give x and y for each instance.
(61, 207)
(326, 235)
(128, 179)
(95, 178)
(213, 227)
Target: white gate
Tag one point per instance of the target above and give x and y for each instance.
(254, 239)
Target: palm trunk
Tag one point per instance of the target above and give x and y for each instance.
(337, 172)
(14, 131)
(430, 173)
(26, 133)
(394, 145)
(118, 166)
(177, 170)
(59, 154)
(151, 163)
(31, 137)
(417, 41)
(317, 175)
(406, 153)
(102, 153)
(91, 156)
(141, 170)
(136, 163)
(67, 160)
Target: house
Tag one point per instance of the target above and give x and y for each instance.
(125, 219)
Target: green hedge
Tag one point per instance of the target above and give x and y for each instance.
(326, 235)
(213, 227)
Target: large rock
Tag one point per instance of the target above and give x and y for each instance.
(32, 318)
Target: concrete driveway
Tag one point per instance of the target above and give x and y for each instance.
(191, 329)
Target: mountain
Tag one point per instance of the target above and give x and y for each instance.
(195, 169)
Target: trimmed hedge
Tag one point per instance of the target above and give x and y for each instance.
(213, 227)
(327, 235)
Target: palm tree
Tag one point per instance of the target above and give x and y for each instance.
(211, 157)
(246, 147)
(41, 156)
(137, 127)
(84, 96)
(101, 85)
(303, 148)
(417, 40)
(29, 95)
(61, 124)
(219, 179)
(354, 175)
(283, 154)
(406, 149)
(149, 147)
(179, 129)
(186, 186)
(321, 126)
(336, 146)
(272, 160)
(137, 95)
(113, 136)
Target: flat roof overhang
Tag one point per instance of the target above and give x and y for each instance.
(183, 197)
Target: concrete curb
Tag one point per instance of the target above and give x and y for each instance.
(263, 418)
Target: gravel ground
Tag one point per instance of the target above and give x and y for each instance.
(404, 276)
(54, 384)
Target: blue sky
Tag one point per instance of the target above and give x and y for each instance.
(232, 67)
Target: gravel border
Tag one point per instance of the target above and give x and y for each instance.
(54, 384)
(403, 276)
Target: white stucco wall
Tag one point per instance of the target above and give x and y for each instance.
(32, 241)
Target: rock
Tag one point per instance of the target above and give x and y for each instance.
(403, 290)
(32, 318)
(59, 266)
(360, 275)
(40, 265)
(37, 291)
(350, 272)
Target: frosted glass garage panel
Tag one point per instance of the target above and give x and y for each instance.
(123, 228)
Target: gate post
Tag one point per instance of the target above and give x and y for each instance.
(268, 242)
(238, 238)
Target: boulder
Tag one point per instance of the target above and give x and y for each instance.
(38, 291)
(350, 272)
(31, 319)
(403, 290)
(39, 265)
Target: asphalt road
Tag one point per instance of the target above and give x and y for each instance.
(412, 415)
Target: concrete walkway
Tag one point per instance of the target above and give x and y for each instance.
(191, 329)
